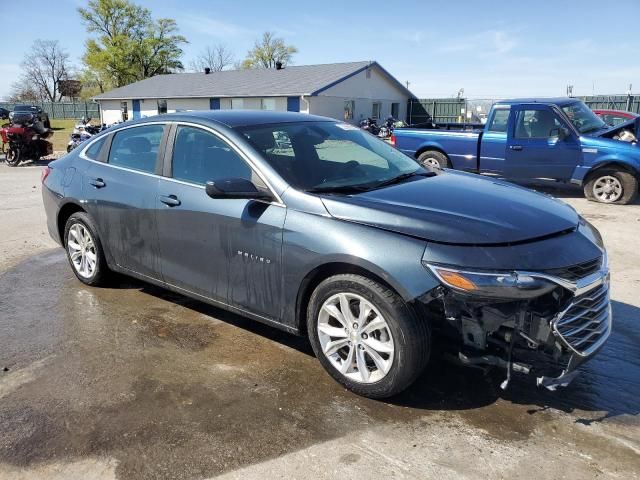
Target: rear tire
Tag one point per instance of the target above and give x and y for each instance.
(434, 159)
(388, 346)
(84, 250)
(611, 185)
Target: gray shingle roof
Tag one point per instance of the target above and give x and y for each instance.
(292, 80)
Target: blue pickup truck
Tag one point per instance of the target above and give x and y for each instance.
(558, 140)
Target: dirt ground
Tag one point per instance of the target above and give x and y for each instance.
(133, 382)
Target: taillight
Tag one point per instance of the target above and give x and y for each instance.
(393, 140)
(45, 173)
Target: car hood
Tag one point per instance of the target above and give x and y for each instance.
(457, 208)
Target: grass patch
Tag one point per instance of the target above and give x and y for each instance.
(61, 131)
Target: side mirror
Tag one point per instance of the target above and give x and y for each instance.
(562, 133)
(235, 188)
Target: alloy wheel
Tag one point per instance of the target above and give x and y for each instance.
(607, 189)
(82, 250)
(355, 337)
(431, 162)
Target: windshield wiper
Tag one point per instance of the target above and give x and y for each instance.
(340, 189)
(402, 177)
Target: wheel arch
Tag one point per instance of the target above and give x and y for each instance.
(430, 147)
(611, 163)
(65, 212)
(321, 273)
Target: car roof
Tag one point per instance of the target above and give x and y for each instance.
(238, 118)
(620, 112)
(560, 101)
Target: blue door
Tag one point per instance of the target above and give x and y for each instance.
(214, 104)
(136, 109)
(535, 147)
(293, 104)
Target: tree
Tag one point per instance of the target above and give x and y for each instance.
(42, 69)
(216, 57)
(24, 92)
(130, 45)
(268, 51)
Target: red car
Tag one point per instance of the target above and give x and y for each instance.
(615, 117)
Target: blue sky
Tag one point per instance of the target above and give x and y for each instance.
(489, 48)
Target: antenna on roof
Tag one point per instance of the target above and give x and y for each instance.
(207, 71)
(279, 66)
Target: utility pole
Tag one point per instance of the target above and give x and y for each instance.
(569, 90)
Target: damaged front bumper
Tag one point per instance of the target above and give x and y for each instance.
(546, 332)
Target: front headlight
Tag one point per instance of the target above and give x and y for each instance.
(506, 285)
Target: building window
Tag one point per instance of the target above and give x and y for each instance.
(162, 107)
(237, 103)
(349, 107)
(375, 110)
(124, 110)
(395, 110)
(268, 104)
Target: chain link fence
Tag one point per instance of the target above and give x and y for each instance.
(71, 110)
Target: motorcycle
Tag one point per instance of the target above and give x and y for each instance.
(26, 139)
(390, 123)
(82, 132)
(370, 125)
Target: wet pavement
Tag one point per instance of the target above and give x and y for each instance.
(143, 383)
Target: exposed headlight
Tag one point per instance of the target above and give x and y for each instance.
(507, 285)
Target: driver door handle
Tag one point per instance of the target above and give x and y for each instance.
(170, 200)
(515, 147)
(97, 182)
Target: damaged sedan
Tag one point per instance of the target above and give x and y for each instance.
(318, 228)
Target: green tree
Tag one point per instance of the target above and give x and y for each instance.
(129, 44)
(268, 51)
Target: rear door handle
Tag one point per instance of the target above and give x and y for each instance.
(170, 200)
(515, 147)
(97, 182)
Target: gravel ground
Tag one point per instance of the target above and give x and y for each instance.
(133, 382)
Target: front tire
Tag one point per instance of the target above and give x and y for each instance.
(13, 157)
(434, 159)
(366, 336)
(611, 185)
(84, 250)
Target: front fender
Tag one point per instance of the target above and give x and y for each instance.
(593, 159)
(311, 241)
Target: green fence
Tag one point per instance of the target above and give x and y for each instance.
(73, 110)
(440, 110)
(629, 103)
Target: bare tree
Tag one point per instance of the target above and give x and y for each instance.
(269, 51)
(24, 92)
(44, 67)
(216, 57)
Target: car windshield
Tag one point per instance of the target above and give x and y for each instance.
(24, 108)
(583, 117)
(330, 156)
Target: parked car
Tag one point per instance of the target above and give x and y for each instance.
(4, 113)
(39, 114)
(615, 117)
(560, 140)
(335, 234)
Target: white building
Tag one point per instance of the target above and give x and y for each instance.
(346, 91)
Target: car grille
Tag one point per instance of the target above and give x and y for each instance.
(576, 272)
(586, 323)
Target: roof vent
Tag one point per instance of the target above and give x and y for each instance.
(207, 71)
(279, 66)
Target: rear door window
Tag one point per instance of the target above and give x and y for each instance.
(137, 147)
(499, 121)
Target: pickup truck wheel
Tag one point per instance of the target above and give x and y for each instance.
(610, 185)
(366, 336)
(433, 158)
